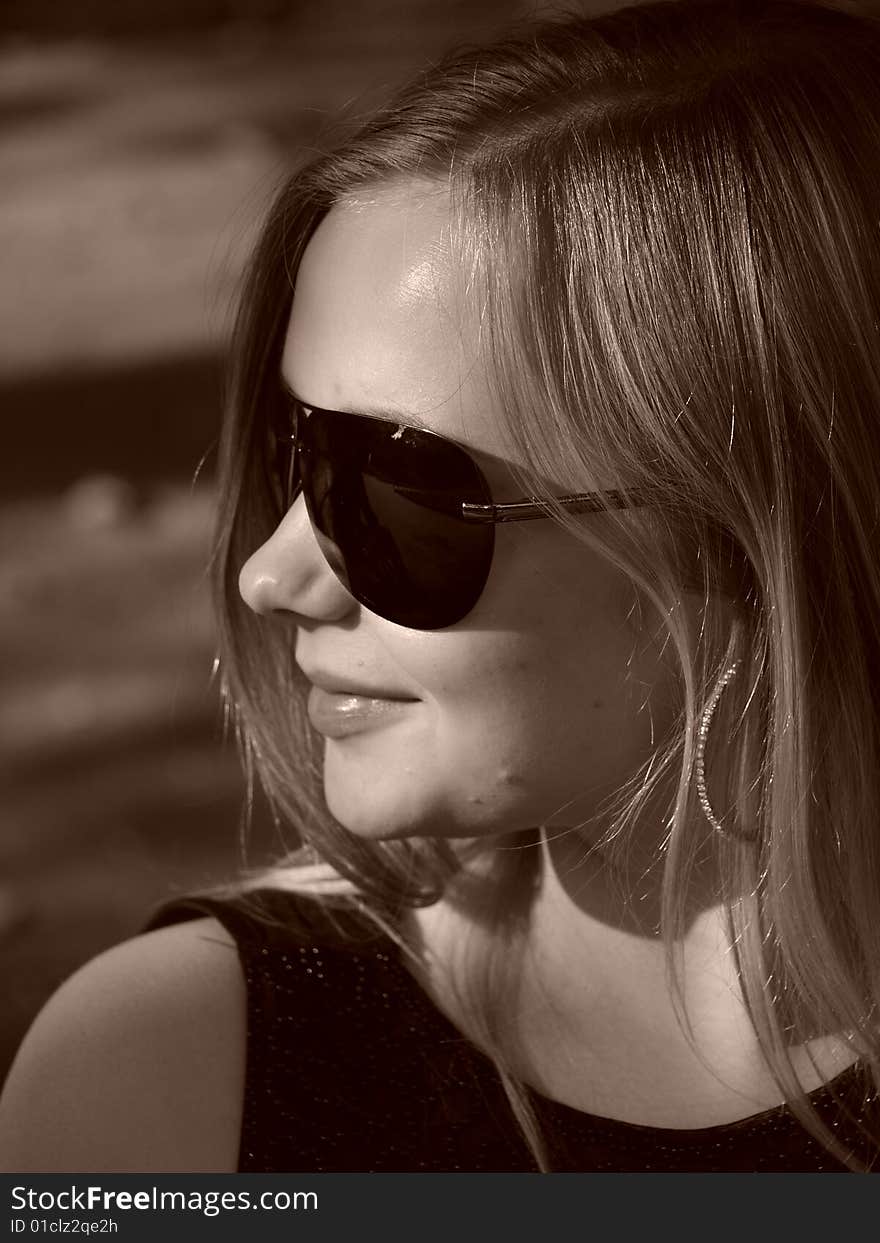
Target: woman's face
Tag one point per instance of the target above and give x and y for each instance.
(544, 698)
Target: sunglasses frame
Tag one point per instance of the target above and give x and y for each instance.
(526, 509)
(471, 512)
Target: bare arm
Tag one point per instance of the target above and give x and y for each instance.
(136, 1063)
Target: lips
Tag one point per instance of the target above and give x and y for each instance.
(341, 706)
(337, 716)
(336, 684)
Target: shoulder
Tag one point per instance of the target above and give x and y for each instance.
(136, 1063)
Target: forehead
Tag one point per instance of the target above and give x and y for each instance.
(378, 324)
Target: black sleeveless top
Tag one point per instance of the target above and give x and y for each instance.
(352, 1067)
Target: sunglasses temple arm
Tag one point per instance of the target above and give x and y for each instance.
(524, 511)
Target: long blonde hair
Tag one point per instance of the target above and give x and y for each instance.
(689, 192)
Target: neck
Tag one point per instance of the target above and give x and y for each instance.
(601, 909)
(594, 1015)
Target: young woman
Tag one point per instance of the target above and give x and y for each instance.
(550, 481)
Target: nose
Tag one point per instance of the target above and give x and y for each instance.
(289, 574)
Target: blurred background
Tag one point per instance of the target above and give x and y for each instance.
(140, 141)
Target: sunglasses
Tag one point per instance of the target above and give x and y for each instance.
(404, 517)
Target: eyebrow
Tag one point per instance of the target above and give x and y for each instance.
(369, 410)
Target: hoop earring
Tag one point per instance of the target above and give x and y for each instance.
(702, 734)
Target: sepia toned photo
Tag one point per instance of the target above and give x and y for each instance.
(440, 681)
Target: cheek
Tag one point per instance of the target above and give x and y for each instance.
(520, 730)
(543, 690)
(536, 702)
(551, 635)
(534, 715)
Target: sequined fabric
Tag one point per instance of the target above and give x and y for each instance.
(351, 1067)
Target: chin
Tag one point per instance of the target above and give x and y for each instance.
(379, 816)
(391, 807)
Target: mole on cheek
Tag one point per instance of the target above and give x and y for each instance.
(598, 703)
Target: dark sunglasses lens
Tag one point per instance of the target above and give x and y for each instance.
(282, 463)
(384, 501)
